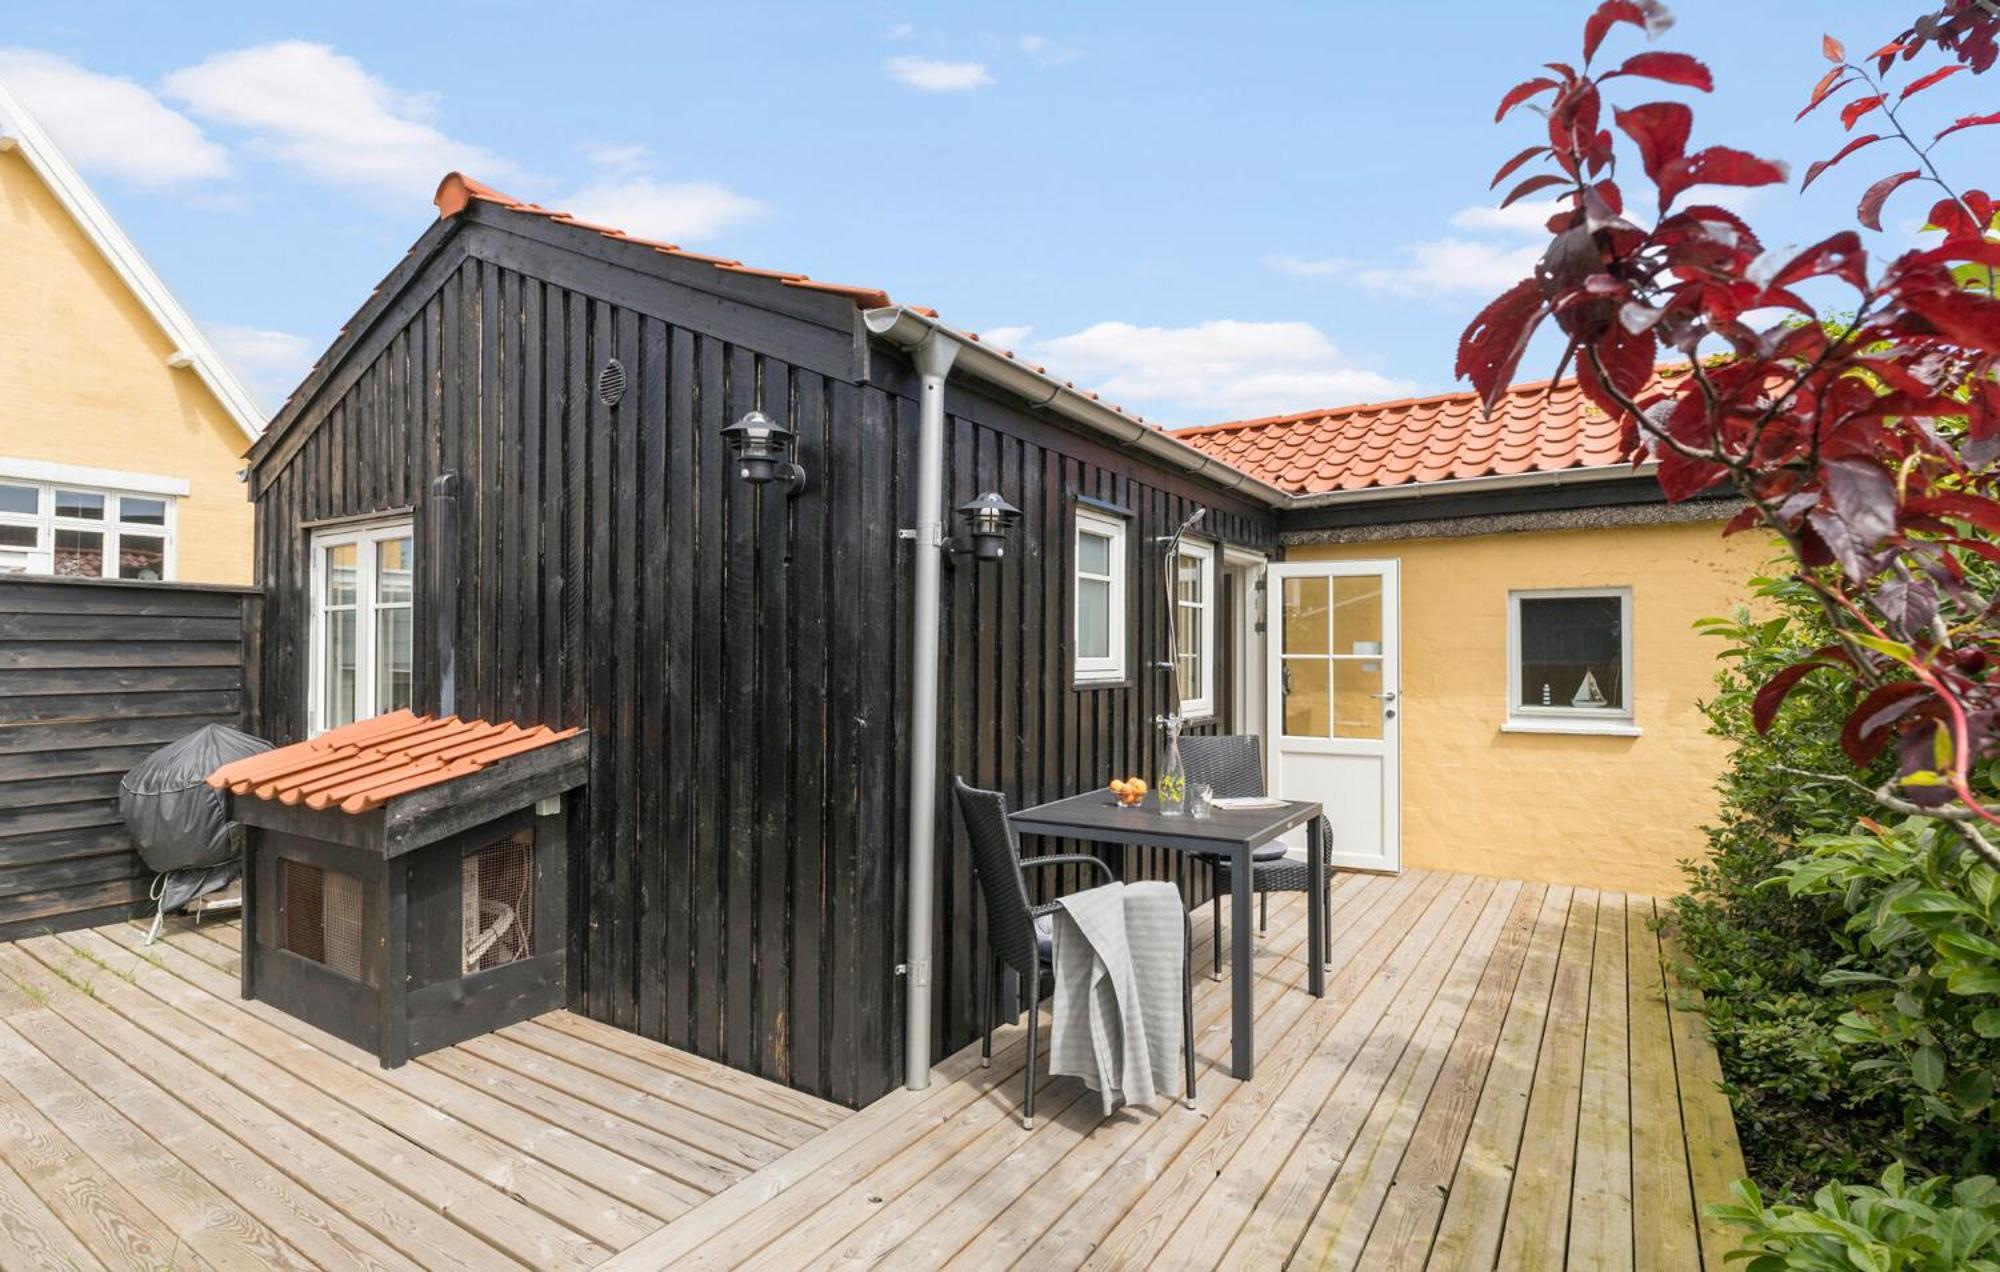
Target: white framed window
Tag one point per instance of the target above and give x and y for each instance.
(73, 530)
(1194, 629)
(1569, 661)
(1099, 597)
(362, 631)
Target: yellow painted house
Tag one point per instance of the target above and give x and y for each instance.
(121, 429)
(1480, 649)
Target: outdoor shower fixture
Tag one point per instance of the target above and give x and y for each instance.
(987, 520)
(763, 451)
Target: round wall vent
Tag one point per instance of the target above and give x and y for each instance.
(611, 382)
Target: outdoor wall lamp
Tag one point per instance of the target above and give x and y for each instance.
(763, 451)
(987, 520)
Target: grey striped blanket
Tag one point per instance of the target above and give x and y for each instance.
(1118, 967)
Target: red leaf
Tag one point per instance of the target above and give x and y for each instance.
(1813, 171)
(1661, 131)
(1969, 121)
(1608, 15)
(1718, 165)
(1857, 108)
(1866, 731)
(1507, 168)
(1870, 211)
(1522, 92)
(1943, 72)
(1840, 255)
(1493, 342)
(1628, 358)
(1835, 51)
(1670, 68)
(1959, 506)
(1532, 184)
(1820, 92)
(1771, 696)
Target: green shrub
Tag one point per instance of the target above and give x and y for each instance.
(1897, 1227)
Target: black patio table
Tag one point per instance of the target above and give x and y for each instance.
(1097, 816)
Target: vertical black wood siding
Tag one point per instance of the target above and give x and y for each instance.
(94, 677)
(741, 657)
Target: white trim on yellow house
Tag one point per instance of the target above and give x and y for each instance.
(43, 470)
(192, 350)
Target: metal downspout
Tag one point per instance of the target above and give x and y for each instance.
(933, 358)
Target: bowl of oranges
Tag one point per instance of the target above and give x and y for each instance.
(1129, 790)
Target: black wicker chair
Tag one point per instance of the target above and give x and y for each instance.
(1021, 933)
(1232, 766)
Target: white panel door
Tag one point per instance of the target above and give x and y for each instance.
(1335, 724)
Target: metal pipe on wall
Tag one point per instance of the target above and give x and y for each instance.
(934, 357)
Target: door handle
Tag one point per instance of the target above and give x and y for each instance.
(1387, 695)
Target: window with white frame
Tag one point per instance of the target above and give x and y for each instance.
(85, 532)
(1570, 660)
(363, 588)
(1100, 597)
(1194, 629)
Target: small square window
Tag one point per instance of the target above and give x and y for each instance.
(140, 511)
(1570, 659)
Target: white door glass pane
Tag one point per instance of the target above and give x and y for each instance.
(342, 570)
(1573, 652)
(1307, 694)
(1093, 553)
(392, 571)
(81, 504)
(392, 659)
(1306, 616)
(1093, 618)
(21, 499)
(142, 556)
(79, 554)
(140, 511)
(1357, 708)
(340, 667)
(1357, 615)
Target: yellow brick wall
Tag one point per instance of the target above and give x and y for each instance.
(84, 380)
(1608, 812)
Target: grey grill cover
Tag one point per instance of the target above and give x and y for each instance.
(176, 818)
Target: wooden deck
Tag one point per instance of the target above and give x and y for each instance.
(151, 1119)
(1496, 1078)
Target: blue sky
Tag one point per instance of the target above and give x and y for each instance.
(1208, 213)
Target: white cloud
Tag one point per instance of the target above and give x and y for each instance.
(1005, 337)
(669, 210)
(931, 75)
(618, 156)
(1530, 216)
(110, 125)
(1046, 51)
(271, 362)
(322, 112)
(1425, 268)
(1220, 369)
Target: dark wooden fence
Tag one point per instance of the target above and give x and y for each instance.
(94, 676)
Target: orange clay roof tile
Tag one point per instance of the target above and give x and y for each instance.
(360, 766)
(1536, 427)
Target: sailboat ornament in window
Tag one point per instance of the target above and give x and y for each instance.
(1588, 694)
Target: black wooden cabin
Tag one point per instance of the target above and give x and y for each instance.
(741, 658)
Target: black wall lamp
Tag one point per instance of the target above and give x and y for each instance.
(763, 451)
(987, 521)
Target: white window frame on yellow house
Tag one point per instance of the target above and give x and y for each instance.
(1200, 704)
(367, 608)
(52, 482)
(1617, 721)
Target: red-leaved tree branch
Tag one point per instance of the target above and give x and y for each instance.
(1863, 429)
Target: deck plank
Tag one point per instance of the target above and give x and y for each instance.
(1600, 1209)
(1715, 1158)
(1664, 1235)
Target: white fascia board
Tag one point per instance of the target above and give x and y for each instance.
(42, 470)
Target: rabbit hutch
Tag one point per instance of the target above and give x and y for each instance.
(405, 877)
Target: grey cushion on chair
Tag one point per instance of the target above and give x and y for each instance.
(1045, 936)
